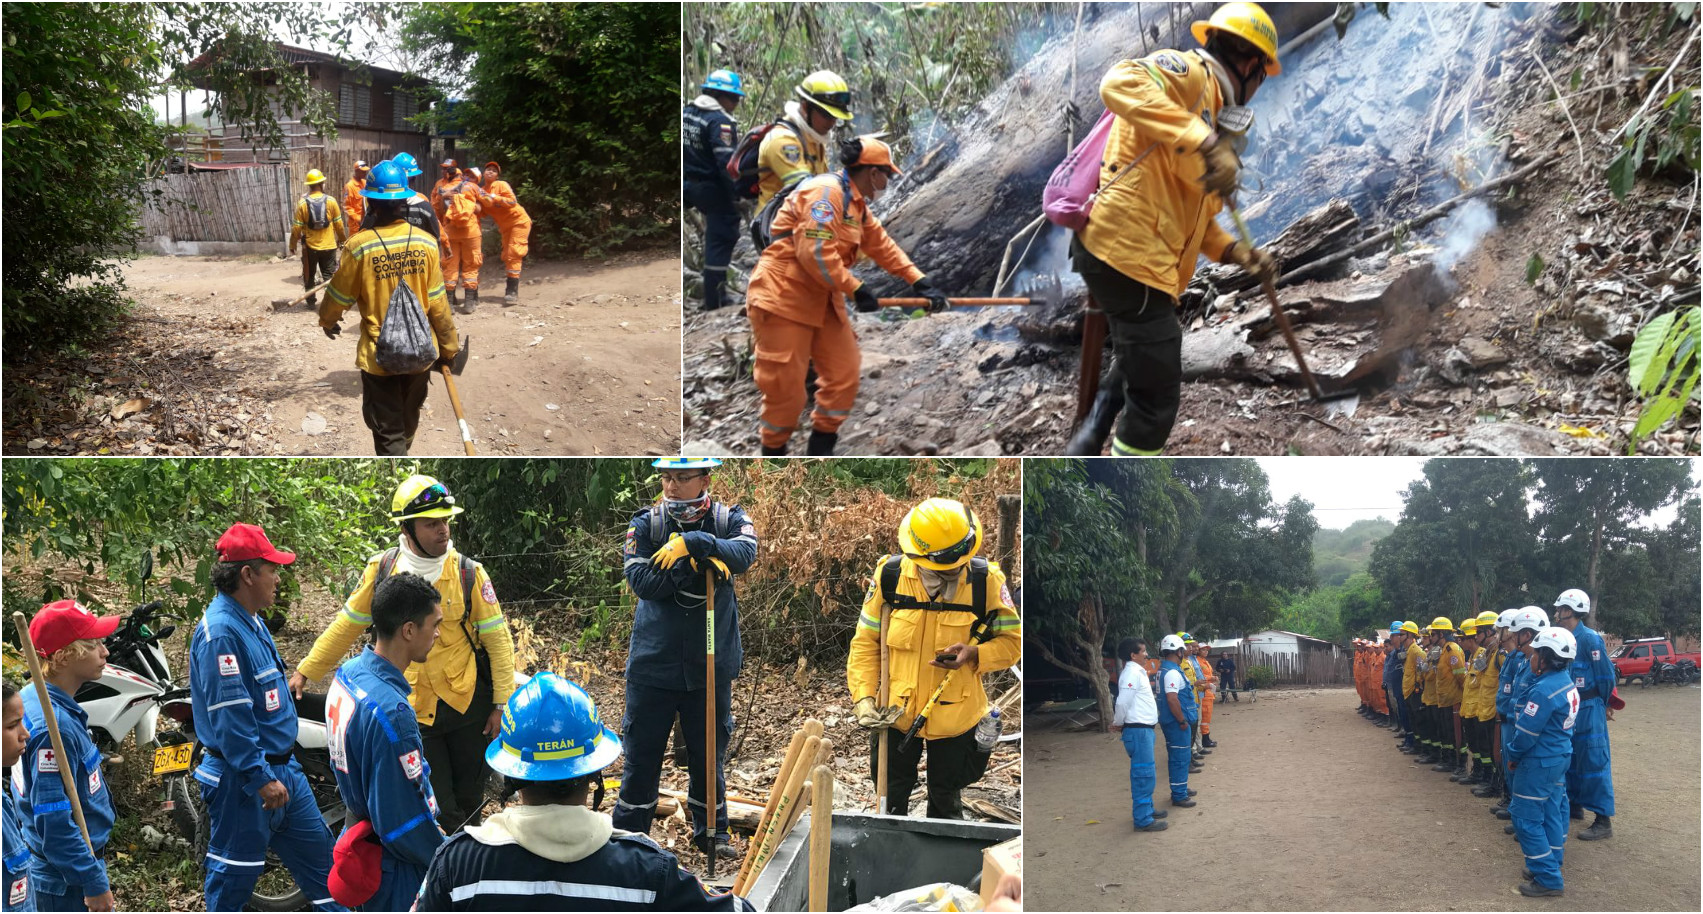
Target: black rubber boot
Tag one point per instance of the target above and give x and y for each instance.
(821, 444)
(1533, 890)
(1155, 825)
(470, 303)
(1090, 437)
(1184, 803)
(774, 451)
(453, 303)
(1208, 742)
(1602, 828)
(511, 292)
(1487, 789)
(1575, 812)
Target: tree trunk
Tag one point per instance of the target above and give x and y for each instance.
(1596, 555)
(1091, 618)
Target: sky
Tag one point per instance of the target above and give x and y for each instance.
(1346, 489)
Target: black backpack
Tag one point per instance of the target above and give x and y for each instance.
(742, 166)
(469, 570)
(763, 224)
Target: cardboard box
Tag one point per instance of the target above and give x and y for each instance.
(1002, 858)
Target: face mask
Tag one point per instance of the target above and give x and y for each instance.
(687, 511)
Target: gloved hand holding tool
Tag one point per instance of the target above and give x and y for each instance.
(871, 717)
(1223, 166)
(964, 658)
(671, 552)
(865, 300)
(720, 567)
(936, 299)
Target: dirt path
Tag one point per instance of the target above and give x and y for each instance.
(1306, 806)
(588, 363)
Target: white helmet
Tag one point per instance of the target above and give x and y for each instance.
(1530, 618)
(1506, 619)
(1575, 600)
(1559, 640)
(1170, 643)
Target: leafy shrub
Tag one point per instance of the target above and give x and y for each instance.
(1260, 677)
(1663, 369)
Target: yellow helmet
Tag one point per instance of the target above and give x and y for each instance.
(940, 534)
(1469, 626)
(314, 176)
(827, 90)
(1442, 624)
(1488, 617)
(1411, 628)
(422, 496)
(1247, 22)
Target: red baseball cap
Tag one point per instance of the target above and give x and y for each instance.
(355, 872)
(59, 624)
(246, 541)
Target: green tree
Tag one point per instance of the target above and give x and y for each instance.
(578, 103)
(1237, 555)
(1463, 544)
(1587, 511)
(1087, 521)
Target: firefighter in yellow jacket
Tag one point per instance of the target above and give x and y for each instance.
(1478, 701)
(460, 690)
(1447, 679)
(320, 229)
(798, 295)
(951, 621)
(1168, 165)
(389, 263)
(797, 146)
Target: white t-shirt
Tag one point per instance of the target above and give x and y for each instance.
(1173, 681)
(1135, 697)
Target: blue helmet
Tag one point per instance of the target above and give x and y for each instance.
(551, 733)
(686, 463)
(725, 81)
(1395, 627)
(386, 182)
(409, 165)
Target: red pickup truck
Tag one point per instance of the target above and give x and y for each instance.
(1636, 659)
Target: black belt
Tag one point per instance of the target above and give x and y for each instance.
(1588, 695)
(270, 758)
(1142, 726)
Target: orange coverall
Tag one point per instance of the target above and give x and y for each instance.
(1206, 691)
(797, 300)
(354, 205)
(461, 233)
(1375, 681)
(512, 221)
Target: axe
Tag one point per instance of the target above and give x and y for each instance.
(456, 366)
(284, 304)
(1037, 291)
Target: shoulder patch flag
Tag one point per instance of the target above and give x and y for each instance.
(44, 761)
(228, 665)
(1171, 61)
(1531, 708)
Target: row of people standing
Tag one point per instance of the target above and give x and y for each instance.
(1522, 717)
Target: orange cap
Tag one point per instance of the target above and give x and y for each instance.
(876, 152)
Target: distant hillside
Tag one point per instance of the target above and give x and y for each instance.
(1337, 554)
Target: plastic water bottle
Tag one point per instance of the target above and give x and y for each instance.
(987, 732)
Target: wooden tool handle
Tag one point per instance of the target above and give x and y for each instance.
(711, 740)
(881, 701)
(821, 834)
(51, 718)
(956, 302)
(793, 751)
(785, 814)
(455, 401)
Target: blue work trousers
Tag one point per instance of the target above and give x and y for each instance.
(721, 233)
(1179, 753)
(645, 727)
(242, 832)
(1590, 776)
(1138, 742)
(1539, 815)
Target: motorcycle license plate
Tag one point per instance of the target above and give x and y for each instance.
(172, 759)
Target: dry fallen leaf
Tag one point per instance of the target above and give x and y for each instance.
(129, 407)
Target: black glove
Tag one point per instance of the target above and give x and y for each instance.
(866, 300)
(332, 331)
(936, 299)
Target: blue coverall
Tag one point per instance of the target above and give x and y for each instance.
(708, 137)
(62, 870)
(1178, 751)
(1590, 777)
(1138, 743)
(16, 862)
(1538, 754)
(1392, 687)
(379, 760)
(245, 718)
(665, 662)
(1510, 682)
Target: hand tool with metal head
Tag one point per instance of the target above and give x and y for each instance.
(1333, 401)
(711, 742)
(282, 304)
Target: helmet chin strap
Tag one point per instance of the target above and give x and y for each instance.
(419, 550)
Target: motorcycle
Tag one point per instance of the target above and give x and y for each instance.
(1681, 672)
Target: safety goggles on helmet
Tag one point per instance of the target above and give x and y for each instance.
(422, 496)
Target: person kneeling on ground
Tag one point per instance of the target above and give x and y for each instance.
(553, 851)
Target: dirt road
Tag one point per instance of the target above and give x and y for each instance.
(1306, 806)
(588, 363)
